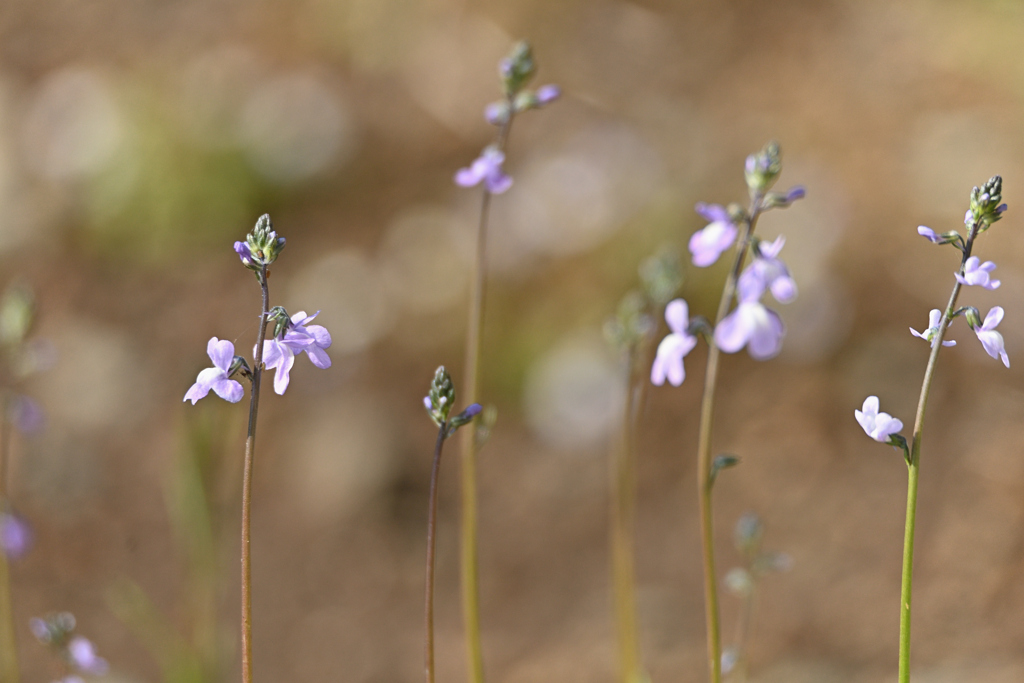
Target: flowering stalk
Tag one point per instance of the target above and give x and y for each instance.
(250, 451)
(515, 71)
(985, 209)
(704, 479)
(438, 404)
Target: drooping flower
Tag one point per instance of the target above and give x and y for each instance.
(83, 657)
(879, 426)
(217, 378)
(929, 234)
(668, 362)
(978, 273)
(15, 535)
(279, 353)
(487, 169)
(751, 324)
(707, 244)
(989, 338)
(934, 319)
(770, 272)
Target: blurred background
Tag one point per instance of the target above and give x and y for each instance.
(139, 140)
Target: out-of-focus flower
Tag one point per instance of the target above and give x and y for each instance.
(989, 338)
(83, 657)
(751, 324)
(978, 273)
(25, 414)
(487, 169)
(546, 94)
(15, 535)
(879, 426)
(707, 244)
(668, 363)
(280, 352)
(217, 378)
(934, 318)
(768, 271)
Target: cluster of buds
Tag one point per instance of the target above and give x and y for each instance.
(986, 204)
(515, 71)
(439, 402)
(762, 169)
(77, 652)
(261, 246)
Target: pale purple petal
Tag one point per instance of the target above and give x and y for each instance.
(468, 177)
(994, 317)
(929, 234)
(319, 357)
(320, 335)
(770, 250)
(221, 352)
(751, 285)
(546, 94)
(15, 536)
(242, 249)
(229, 390)
(677, 315)
(918, 334)
(668, 362)
(934, 318)
(281, 377)
(766, 334)
(732, 333)
(497, 182)
(784, 289)
(273, 351)
(203, 383)
(707, 244)
(714, 213)
(83, 656)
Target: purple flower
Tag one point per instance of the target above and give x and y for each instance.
(796, 192)
(15, 535)
(242, 249)
(280, 353)
(486, 168)
(934, 318)
(989, 338)
(929, 234)
(221, 352)
(83, 657)
(497, 113)
(977, 273)
(768, 271)
(668, 363)
(26, 415)
(546, 94)
(707, 244)
(751, 324)
(879, 426)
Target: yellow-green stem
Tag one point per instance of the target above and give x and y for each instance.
(707, 407)
(913, 466)
(623, 522)
(8, 643)
(470, 553)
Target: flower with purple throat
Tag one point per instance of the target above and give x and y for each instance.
(487, 169)
(279, 352)
(879, 426)
(769, 270)
(668, 362)
(978, 273)
(217, 378)
(708, 243)
(989, 338)
(934, 319)
(751, 324)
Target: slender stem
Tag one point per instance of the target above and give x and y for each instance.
(470, 553)
(707, 407)
(906, 584)
(250, 448)
(431, 543)
(623, 522)
(743, 633)
(8, 643)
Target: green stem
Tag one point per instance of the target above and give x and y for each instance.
(704, 482)
(906, 584)
(8, 643)
(431, 544)
(250, 449)
(470, 552)
(623, 522)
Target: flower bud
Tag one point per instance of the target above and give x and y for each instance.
(441, 397)
(986, 203)
(763, 168)
(739, 581)
(497, 113)
(263, 245)
(463, 418)
(239, 364)
(517, 68)
(748, 533)
(278, 317)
